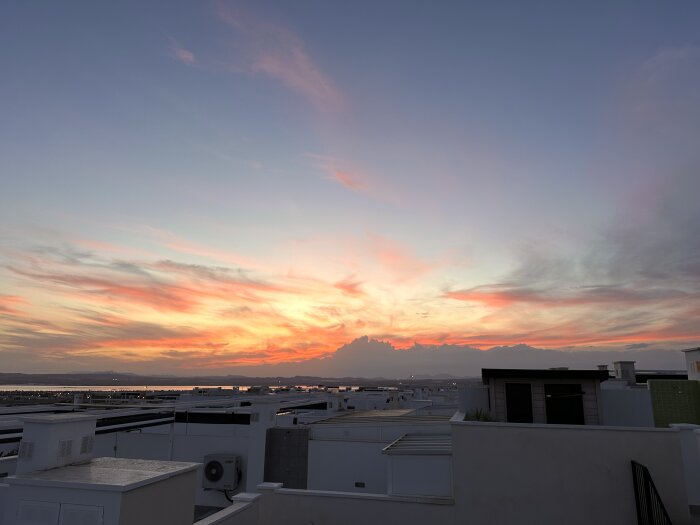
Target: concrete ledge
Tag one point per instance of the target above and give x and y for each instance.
(457, 422)
(223, 515)
(245, 497)
(429, 500)
(269, 486)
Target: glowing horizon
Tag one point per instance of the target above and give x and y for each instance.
(229, 185)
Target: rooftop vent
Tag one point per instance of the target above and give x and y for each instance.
(55, 440)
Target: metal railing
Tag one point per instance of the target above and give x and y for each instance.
(650, 508)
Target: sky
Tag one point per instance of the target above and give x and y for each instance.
(218, 186)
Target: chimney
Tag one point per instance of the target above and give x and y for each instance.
(625, 370)
(692, 362)
(55, 440)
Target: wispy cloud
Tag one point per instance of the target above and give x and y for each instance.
(502, 295)
(350, 286)
(401, 260)
(342, 172)
(637, 283)
(277, 52)
(665, 101)
(9, 305)
(182, 55)
(179, 53)
(349, 181)
(135, 310)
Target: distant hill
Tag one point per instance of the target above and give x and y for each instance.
(121, 379)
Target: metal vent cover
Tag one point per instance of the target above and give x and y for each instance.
(86, 444)
(65, 448)
(26, 449)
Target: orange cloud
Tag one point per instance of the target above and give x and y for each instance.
(9, 303)
(87, 305)
(180, 245)
(349, 286)
(500, 296)
(398, 258)
(348, 180)
(340, 171)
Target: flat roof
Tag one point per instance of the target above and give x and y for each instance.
(420, 444)
(53, 419)
(643, 377)
(111, 474)
(381, 416)
(559, 373)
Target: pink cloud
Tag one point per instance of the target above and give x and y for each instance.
(398, 258)
(349, 180)
(295, 68)
(349, 286)
(8, 304)
(499, 296)
(338, 170)
(277, 52)
(181, 54)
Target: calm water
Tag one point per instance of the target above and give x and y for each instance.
(136, 388)
(110, 388)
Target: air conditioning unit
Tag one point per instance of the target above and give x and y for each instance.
(221, 471)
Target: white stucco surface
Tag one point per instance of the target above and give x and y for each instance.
(540, 474)
(629, 407)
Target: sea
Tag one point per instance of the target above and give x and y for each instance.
(110, 388)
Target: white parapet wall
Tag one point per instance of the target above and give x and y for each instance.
(243, 511)
(539, 474)
(304, 507)
(8, 466)
(178, 447)
(628, 407)
(4, 492)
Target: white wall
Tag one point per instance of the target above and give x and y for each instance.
(629, 407)
(151, 503)
(142, 445)
(692, 357)
(337, 465)
(372, 400)
(415, 475)
(303, 507)
(109, 500)
(4, 490)
(690, 452)
(342, 454)
(7, 466)
(243, 511)
(540, 474)
(379, 431)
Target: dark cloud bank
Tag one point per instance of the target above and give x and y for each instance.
(366, 357)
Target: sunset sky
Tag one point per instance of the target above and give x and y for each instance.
(201, 187)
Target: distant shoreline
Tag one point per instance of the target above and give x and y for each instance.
(117, 381)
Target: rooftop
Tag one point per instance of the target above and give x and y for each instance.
(407, 415)
(420, 444)
(548, 373)
(115, 474)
